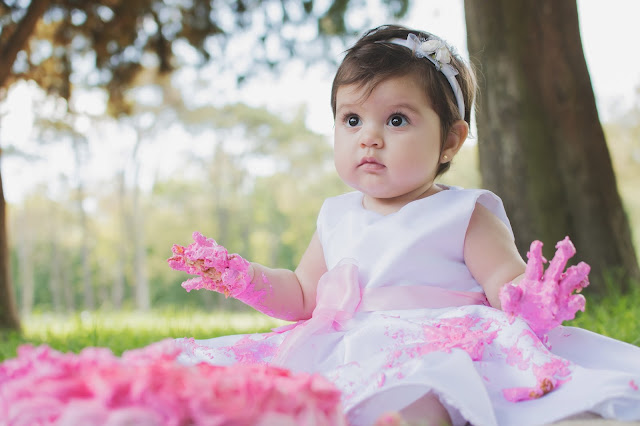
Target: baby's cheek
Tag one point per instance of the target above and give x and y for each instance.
(344, 165)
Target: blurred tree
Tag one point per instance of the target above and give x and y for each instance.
(623, 137)
(62, 128)
(542, 147)
(25, 228)
(40, 254)
(52, 41)
(8, 310)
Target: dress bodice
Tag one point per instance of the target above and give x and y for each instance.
(421, 244)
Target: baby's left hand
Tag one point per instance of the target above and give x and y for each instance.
(544, 301)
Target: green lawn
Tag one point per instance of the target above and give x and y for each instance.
(120, 331)
(616, 316)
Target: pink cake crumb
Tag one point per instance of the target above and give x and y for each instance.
(217, 269)
(546, 299)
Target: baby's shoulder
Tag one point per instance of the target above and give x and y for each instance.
(483, 205)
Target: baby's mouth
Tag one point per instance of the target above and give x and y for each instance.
(370, 164)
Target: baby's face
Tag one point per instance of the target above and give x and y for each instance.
(387, 144)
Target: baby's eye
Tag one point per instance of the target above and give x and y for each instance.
(397, 120)
(353, 121)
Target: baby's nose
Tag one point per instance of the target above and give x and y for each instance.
(371, 137)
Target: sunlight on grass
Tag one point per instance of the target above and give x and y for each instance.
(120, 331)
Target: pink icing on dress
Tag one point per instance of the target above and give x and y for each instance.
(399, 315)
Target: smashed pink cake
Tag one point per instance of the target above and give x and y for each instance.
(217, 270)
(148, 386)
(544, 299)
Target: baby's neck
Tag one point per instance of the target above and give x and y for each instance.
(386, 206)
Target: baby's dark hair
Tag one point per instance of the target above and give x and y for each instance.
(371, 61)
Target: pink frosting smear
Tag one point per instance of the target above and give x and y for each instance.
(217, 270)
(544, 299)
(148, 386)
(548, 377)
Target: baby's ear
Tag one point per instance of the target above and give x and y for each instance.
(455, 139)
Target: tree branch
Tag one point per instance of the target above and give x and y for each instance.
(19, 38)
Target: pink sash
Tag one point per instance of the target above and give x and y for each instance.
(339, 297)
(417, 297)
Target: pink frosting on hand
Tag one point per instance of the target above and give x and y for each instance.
(148, 386)
(546, 299)
(217, 269)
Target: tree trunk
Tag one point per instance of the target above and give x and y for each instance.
(87, 282)
(8, 312)
(25, 265)
(67, 288)
(8, 52)
(143, 294)
(117, 291)
(541, 145)
(85, 254)
(55, 279)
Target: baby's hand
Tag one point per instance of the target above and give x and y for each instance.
(544, 301)
(217, 270)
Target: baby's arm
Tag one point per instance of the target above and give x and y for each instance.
(286, 294)
(491, 254)
(280, 293)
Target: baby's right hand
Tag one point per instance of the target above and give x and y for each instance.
(219, 271)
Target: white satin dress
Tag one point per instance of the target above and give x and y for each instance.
(399, 315)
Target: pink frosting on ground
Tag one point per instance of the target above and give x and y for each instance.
(545, 300)
(217, 269)
(147, 386)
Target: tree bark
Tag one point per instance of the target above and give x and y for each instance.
(541, 144)
(8, 311)
(8, 52)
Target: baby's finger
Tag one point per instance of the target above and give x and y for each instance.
(535, 263)
(564, 251)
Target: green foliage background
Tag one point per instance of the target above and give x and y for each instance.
(266, 218)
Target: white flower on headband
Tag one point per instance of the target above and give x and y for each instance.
(437, 48)
(437, 52)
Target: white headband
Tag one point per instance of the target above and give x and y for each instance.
(436, 51)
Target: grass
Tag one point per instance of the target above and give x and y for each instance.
(616, 316)
(120, 331)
